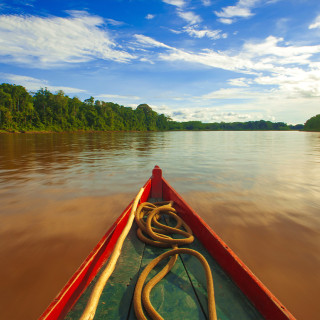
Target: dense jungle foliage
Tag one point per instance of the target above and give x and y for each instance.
(313, 124)
(45, 111)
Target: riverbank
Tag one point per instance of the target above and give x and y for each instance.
(72, 131)
(108, 131)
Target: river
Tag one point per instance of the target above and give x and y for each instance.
(59, 193)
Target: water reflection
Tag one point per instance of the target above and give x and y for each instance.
(60, 192)
(44, 241)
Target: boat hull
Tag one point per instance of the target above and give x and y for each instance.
(158, 188)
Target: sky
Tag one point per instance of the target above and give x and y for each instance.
(204, 60)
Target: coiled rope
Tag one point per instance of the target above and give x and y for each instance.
(147, 217)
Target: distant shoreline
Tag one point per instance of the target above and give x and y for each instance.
(118, 131)
(72, 131)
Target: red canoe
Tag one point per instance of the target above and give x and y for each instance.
(182, 293)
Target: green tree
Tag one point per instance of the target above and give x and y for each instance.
(150, 116)
(313, 124)
(42, 104)
(162, 122)
(5, 110)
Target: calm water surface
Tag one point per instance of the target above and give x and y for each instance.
(59, 193)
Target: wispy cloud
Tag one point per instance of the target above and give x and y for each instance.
(34, 84)
(254, 57)
(51, 41)
(268, 62)
(226, 20)
(234, 11)
(242, 9)
(114, 22)
(240, 82)
(212, 114)
(270, 51)
(194, 31)
(149, 42)
(316, 23)
(206, 2)
(210, 58)
(177, 3)
(270, 105)
(189, 16)
(294, 83)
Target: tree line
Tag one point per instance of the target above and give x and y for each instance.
(21, 111)
(260, 125)
(45, 111)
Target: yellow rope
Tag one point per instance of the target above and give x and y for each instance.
(147, 218)
(90, 310)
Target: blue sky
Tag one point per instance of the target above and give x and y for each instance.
(208, 60)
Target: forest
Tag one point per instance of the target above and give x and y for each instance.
(43, 111)
(313, 124)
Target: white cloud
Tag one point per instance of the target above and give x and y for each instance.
(316, 23)
(176, 31)
(254, 57)
(193, 31)
(294, 83)
(34, 84)
(177, 3)
(210, 58)
(146, 60)
(226, 21)
(150, 16)
(269, 51)
(242, 9)
(283, 77)
(189, 16)
(288, 69)
(52, 41)
(206, 2)
(230, 12)
(114, 22)
(271, 106)
(149, 42)
(212, 114)
(240, 82)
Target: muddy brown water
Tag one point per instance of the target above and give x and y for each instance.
(59, 193)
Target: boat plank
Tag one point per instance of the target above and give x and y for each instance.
(117, 295)
(173, 297)
(231, 303)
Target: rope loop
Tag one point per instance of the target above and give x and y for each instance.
(153, 232)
